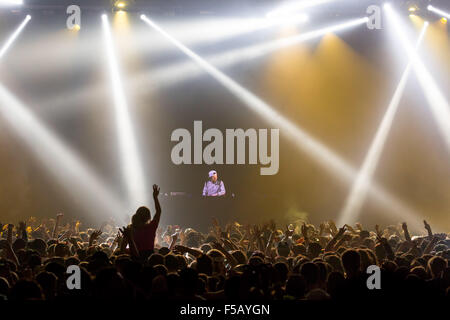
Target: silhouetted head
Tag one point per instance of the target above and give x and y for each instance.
(436, 266)
(351, 261)
(141, 217)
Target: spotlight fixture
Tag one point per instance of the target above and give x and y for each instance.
(444, 20)
(119, 5)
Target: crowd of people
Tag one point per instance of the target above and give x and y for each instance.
(263, 262)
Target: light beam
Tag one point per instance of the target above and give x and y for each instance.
(358, 193)
(131, 165)
(438, 11)
(177, 72)
(72, 173)
(186, 70)
(14, 36)
(11, 2)
(302, 140)
(292, 7)
(438, 104)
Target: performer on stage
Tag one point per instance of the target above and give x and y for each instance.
(213, 187)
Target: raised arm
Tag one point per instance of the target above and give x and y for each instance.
(57, 221)
(157, 215)
(23, 231)
(127, 233)
(331, 244)
(9, 235)
(406, 232)
(428, 227)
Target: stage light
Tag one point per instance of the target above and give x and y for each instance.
(121, 4)
(358, 193)
(444, 20)
(69, 170)
(439, 11)
(11, 2)
(186, 70)
(77, 27)
(14, 36)
(412, 9)
(293, 7)
(438, 103)
(131, 165)
(301, 139)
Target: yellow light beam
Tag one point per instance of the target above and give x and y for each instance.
(358, 193)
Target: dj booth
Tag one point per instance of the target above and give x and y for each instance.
(196, 211)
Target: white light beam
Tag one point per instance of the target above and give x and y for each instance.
(14, 36)
(131, 165)
(358, 193)
(67, 167)
(11, 2)
(289, 8)
(302, 140)
(438, 104)
(439, 11)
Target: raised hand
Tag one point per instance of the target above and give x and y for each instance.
(342, 231)
(155, 191)
(289, 230)
(406, 232)
(428, 228)
(333, 227)
(126, 232)
(175, 237)
(321, 228)
(94, 236)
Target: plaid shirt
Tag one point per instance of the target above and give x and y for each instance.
(212, 188)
